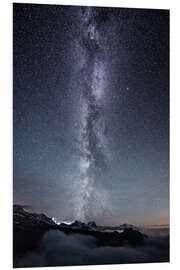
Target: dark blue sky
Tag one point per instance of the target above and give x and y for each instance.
(91, 113)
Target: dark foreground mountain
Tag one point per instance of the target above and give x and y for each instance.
(29, 227)
(30, 230)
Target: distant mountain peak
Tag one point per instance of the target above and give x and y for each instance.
(92, 224)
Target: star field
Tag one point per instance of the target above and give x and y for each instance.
(91, 112)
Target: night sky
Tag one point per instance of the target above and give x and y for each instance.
(91, 113)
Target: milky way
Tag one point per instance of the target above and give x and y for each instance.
(91, 127)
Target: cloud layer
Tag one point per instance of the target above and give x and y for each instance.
(58, 249)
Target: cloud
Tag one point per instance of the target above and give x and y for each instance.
(57, 249)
